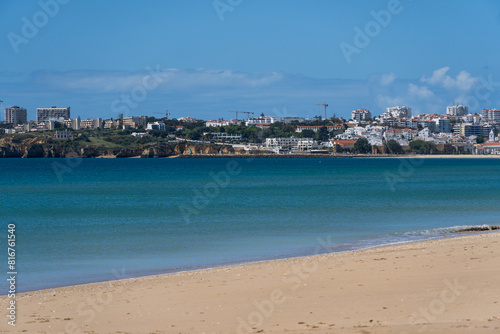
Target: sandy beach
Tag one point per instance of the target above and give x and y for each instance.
(440, 286)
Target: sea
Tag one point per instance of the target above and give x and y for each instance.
(89, 220)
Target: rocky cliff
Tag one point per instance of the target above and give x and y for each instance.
(50, 148)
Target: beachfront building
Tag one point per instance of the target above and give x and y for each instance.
(340, 145)
(360, 114)
(282, 143)
(307, 144)
(16, 115)
(457, 110)
(488, 148)
(52, 114)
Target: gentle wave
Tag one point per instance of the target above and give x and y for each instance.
(412, 236)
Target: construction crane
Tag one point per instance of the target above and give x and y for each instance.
(235, 111)
(325, 105)
(1, 107)
(166, 113)
(246, 112)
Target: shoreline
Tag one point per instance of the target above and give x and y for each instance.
(187, 301)
(287, 156)
(465, 231)
(335, 156)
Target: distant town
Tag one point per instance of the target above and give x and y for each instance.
(396, 131)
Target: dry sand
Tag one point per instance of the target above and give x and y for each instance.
(440, 286)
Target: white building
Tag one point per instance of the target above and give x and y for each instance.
(316, 128)
(223, 136)
(91, 123)
(215, 123)
(360, 114)
(307, 144)
(457, 110)
(491, 114)
(443, 125)
(141, 134)
(52, 114)
(491, 137)
(16, 115)
(290, 119)
(64, 134)
(156, 126)
(255, 121)
(282, 143)
(134, 122)
(397, 112)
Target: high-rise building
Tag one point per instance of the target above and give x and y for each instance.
(52, 114)
(360, 114)
(16, 115)
(397, 112)
(457, 110)
(491, 115)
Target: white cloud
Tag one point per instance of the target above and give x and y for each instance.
(118, 81)
(384, 102)
(463, 81)
(387, 79)
(421, 92)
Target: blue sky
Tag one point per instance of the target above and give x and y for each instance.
(202, 58)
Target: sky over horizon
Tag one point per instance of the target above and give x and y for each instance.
(203, 58)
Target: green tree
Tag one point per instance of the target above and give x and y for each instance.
(362, 146)
(309, 134)
(422, 147)
(394, 147)
(323, 134)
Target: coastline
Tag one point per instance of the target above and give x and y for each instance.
(335, 156)
(290, 156)
(379, 289)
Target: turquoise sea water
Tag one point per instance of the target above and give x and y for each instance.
(84, 220)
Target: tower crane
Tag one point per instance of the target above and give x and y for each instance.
(323, 104)
(166, 113)
(235, 111)
(247, 112)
